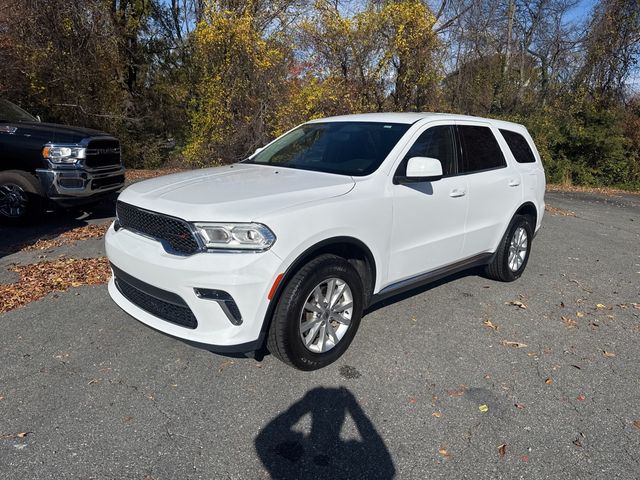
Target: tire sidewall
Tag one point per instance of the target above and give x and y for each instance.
(295, 300)
(518, 221)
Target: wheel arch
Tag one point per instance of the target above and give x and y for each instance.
(529, 209)
(352, 249)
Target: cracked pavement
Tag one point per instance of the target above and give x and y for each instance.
(87, 392)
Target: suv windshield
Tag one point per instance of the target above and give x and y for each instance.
(346, 148)
(13, 113)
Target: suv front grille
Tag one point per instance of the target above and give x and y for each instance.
(159, 303)
(171, 231)
(103, 153)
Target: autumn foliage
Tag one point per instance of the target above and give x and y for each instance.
(200, 82)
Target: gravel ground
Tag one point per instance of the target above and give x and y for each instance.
(427, 390)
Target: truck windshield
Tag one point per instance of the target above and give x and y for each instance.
(13, 113)
(346, 148)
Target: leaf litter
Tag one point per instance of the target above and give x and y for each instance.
(39, 279)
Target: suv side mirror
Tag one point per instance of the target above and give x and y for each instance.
(422, 169)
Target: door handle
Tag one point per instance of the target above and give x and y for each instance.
(457, 192)
(514, 182)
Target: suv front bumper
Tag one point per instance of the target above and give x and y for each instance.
(164, 278)
(72, 186)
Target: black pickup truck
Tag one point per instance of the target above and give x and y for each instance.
(44, 164)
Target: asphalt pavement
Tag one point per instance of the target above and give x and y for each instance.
(468, 378)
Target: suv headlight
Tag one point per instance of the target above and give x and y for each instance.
(63, 153)
(235, 236)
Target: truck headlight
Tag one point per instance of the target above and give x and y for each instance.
(235, 236)
(63, 153)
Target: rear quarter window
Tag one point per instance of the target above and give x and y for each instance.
(519, 147)
(480, 149)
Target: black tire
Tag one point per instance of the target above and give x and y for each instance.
(499, 268)
(284, 340)
(13, 184)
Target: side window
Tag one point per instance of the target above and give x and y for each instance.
(480, 149)
(519, 147)
(436, 142)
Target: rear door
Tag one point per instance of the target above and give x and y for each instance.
(428, 217)
(494, 186)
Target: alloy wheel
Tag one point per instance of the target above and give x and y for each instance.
(326, 315)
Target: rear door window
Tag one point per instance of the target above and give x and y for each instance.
(480, 149)
(519, 147)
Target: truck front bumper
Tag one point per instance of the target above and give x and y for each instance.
(73, 186)
(186, 297)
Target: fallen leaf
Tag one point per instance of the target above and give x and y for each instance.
(525, 458)
(225, 364)
(484, 408)
(502, 450)
(601, 305)
(23, 434)
(608, 354)
(508, 343)
(548, 381)
(516, 303)
(456, 393)
(636, 423)
(412, 400)
(489, 324)
(579, 314)
(127, 419)
(436, 414)
(580, 398)
(519, 406)
(569, 322)
(561, 304)
(443, 451)
(95, 380)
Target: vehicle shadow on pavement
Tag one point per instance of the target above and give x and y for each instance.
(291, 451)
(472, 272)
(51, 224)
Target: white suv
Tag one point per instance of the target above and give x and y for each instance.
(292, 244)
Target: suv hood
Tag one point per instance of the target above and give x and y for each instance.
(234, 193)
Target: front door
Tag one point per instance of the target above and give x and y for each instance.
(428, 217)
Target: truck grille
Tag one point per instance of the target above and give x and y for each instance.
(103, 153)
(171, 231)
(159, 303)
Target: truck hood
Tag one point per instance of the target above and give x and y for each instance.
(234, 193)
(53, 132)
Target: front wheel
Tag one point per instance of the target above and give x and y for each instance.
(512, 255)
(21, 197)
(318, 314)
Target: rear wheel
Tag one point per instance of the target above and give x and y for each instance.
(318, 314)
(21, 197)
(512, 255)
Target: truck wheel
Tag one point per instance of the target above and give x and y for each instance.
(512, 255)
(317, 314)
(21, 197)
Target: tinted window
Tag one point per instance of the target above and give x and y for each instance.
(480, 149)
(518, 146)
(347, 148)
(12, 113)
(436, 142)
